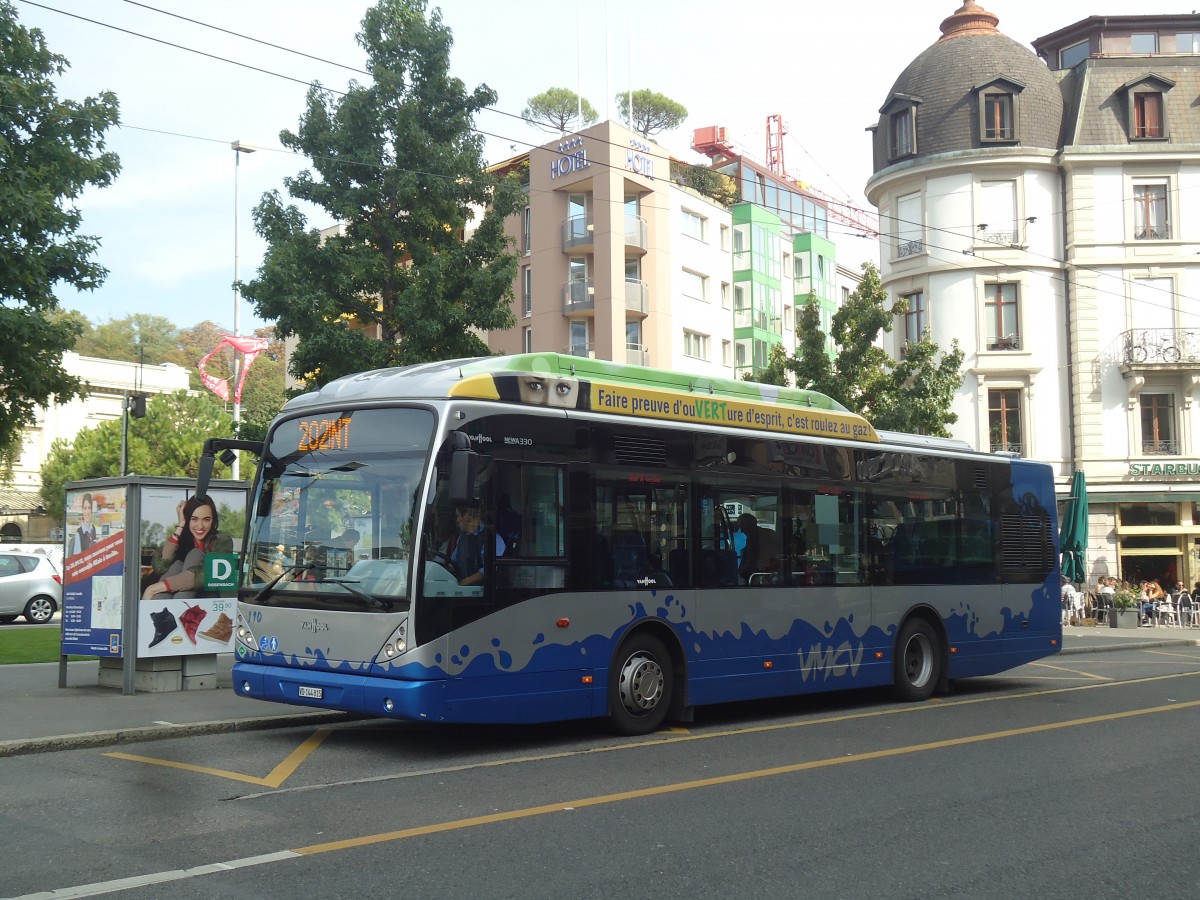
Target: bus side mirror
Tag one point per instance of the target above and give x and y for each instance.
(464, 476)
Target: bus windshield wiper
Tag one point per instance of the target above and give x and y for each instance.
(367, 599)
(265, 591)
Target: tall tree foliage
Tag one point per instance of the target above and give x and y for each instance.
(556, 108)
(398, 166)
(912, 395)
(168, 441)
(50, 150)
(652, 112)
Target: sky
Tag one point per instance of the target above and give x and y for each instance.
(188, 89)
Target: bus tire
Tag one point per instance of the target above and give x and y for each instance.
(640, 685)
(918, 661)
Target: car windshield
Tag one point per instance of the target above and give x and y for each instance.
(332, 523)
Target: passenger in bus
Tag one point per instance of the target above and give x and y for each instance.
(761, 556)
(469, 556)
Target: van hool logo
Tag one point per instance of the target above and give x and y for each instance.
(314, 626)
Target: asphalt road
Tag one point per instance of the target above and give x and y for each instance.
(1072, 777)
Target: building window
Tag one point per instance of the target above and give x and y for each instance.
(1187, 42)
(915, 321)
(527, 289)
(580, 345)
(1148, 115)
(695, 345)
(997, 219)
(527, 339)
(725, 238)
(1070, 57)
(1004, 420)
(902, 135)
(1150, 212)
(910, 231)
(787, 316)
(693, 224)
(998, 123)
(693, 285)
(528, 239)
(1143, 43)
(726, 302)
(1158, 425)
(1000, 316)
(726, 353)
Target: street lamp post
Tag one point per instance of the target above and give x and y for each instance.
(238, 149)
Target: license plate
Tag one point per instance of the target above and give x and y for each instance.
(313, 693)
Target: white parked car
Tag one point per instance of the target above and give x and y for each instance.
(29, 586)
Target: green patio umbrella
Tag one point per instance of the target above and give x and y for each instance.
(1073, 536)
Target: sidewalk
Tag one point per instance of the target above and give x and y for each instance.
(36, 716)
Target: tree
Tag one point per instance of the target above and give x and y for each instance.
(552, 110)
(652, 113)
(139, 337)
(168, 441)
(912, 395)
(50, 150)
(399, 166)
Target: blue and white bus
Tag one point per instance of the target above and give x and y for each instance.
(640, 543)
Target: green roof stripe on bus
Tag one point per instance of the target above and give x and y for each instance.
(642, 376)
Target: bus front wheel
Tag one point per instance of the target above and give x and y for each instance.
(640, 685)
(918, 661)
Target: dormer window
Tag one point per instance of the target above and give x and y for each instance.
(901, 116)
(997, 105)
(1146, 104)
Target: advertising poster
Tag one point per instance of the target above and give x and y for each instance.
(177, 614)
(94, 572)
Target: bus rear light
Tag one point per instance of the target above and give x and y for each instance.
(767, 664)
(953, 650)
(879, 654)
(563, 622)
(586, 679)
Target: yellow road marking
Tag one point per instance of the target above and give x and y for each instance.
(277, 776)
(679, 787)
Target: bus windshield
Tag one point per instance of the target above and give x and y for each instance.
(333, 512)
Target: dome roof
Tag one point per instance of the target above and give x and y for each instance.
(941, 83)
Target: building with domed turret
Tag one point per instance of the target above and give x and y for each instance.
(1034, 208)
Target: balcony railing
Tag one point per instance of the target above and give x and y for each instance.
(1008, 342)
(1152, 232)
(1004, 238)
(909, 248)
(1161, 346)
(1160, 448)
(637, 355)
(578, 296)
(636, 232)
(584, 350)
(577, 230)
(637, 295)
(1015, 447)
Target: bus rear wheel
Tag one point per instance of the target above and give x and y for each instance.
(640, 685)
(918, 661)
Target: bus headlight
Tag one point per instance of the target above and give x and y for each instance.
(245, 635)
(396, 643)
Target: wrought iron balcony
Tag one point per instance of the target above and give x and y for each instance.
(1008, 342)
(1161, 347)
(1003, 238)
(1152, 232)
(1160, 448)
(1014, 447)
(909, 248)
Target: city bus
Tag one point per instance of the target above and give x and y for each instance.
(637, 543)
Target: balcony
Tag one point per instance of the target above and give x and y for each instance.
(1177, 348)
(909, 248)
(578, 233)
(1160, 448)
(1015, 448)
(1152, 232)
(1008, 342)
(637, 354)
(578, 297)
(587, 351)
(636, 233)
(1001, 238)
(637, 296)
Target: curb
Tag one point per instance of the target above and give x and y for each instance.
(1141, 645)
(165, 732)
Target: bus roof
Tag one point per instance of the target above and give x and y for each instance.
(578, 383)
